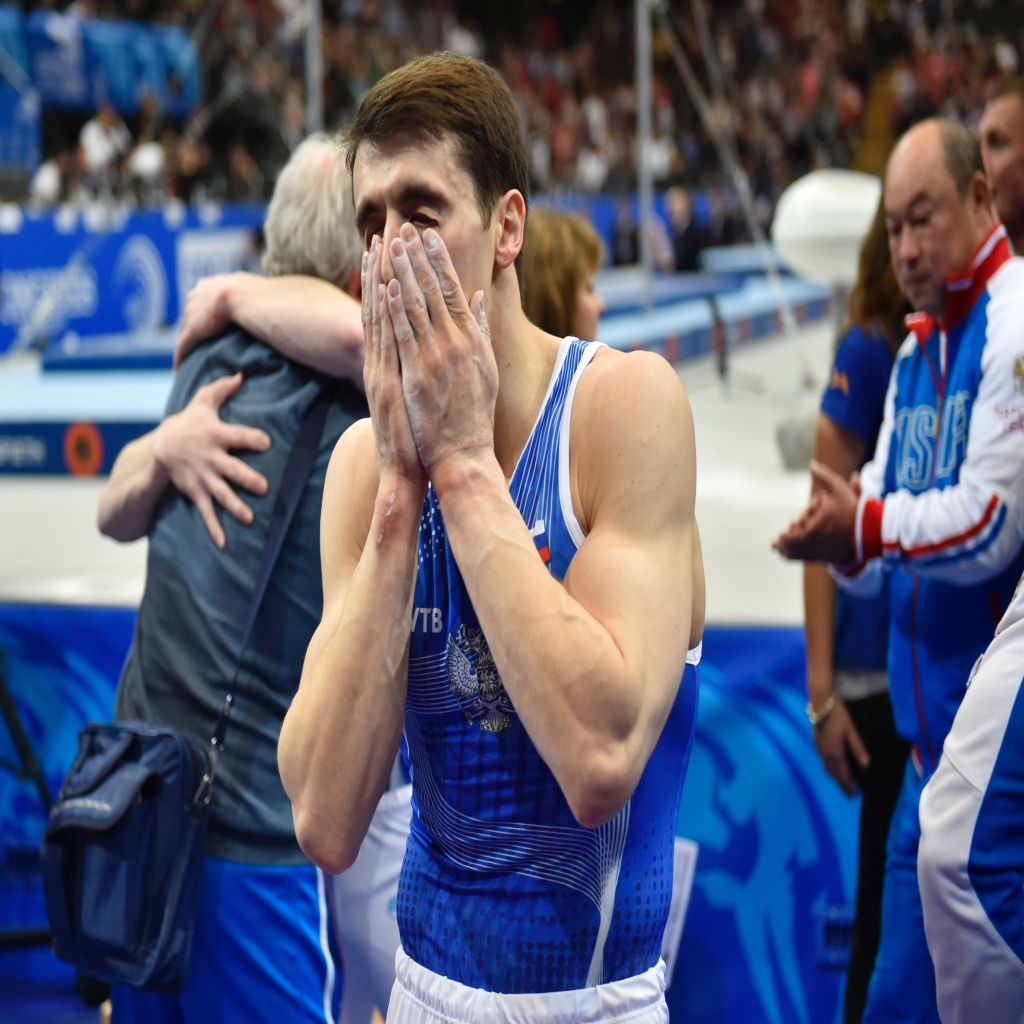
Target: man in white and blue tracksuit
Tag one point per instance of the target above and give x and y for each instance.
(971, 861)
(939, 517)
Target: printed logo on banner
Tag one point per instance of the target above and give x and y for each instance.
(22, 451)
(83, 449)
(202, 253)
(71, 290)
(109, 274)
(139, 271)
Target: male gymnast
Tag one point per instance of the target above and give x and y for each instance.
(512, 576)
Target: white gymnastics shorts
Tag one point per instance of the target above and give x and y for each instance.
(365, 899)
(423, 997)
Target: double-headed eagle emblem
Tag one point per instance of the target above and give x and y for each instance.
(473, 678)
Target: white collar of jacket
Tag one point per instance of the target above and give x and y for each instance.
(964, 290)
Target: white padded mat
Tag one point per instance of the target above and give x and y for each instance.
(50, 550)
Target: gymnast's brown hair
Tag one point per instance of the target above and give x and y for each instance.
(446, 95)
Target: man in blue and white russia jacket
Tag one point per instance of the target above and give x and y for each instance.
(938, 515)
(971, 859)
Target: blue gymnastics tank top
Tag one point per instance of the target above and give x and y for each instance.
(501, 888)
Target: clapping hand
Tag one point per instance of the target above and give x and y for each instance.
(824, 531)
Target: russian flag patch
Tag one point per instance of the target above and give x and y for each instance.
(539, 534)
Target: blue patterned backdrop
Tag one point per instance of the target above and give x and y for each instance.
(777, 838)
(778, 844)
(62, 665)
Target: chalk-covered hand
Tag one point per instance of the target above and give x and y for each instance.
(449, 374)
(382, 380)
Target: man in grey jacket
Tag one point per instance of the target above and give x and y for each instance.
(263, 949)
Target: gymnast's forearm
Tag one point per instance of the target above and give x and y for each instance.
(136, 482)
(341, 734)
(590, 708)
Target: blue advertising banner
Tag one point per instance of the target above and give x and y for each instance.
(179, 75)
(81, 448)
(61, 665)
(70, 274)
(76, 64)
(57, 55)
(778, 840)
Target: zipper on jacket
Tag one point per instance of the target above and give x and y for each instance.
(940, 395)
(917, 675)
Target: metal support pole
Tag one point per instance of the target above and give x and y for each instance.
(314, 71)
(714, 69)
(644, 134)
(730, 162)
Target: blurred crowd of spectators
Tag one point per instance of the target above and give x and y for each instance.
(797, 75)
(950, 70)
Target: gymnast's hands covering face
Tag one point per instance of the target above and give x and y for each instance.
(382, 380)
(824, 531)
(449, 375)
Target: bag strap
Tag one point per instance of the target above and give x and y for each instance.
(293, 483)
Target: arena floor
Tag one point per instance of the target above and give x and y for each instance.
(745, 496)
(51, 552)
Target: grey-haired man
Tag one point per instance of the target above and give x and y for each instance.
(263, 943)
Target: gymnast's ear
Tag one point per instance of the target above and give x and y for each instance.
(509, 223)
(354, 284)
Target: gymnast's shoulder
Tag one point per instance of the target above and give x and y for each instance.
(631, 433)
